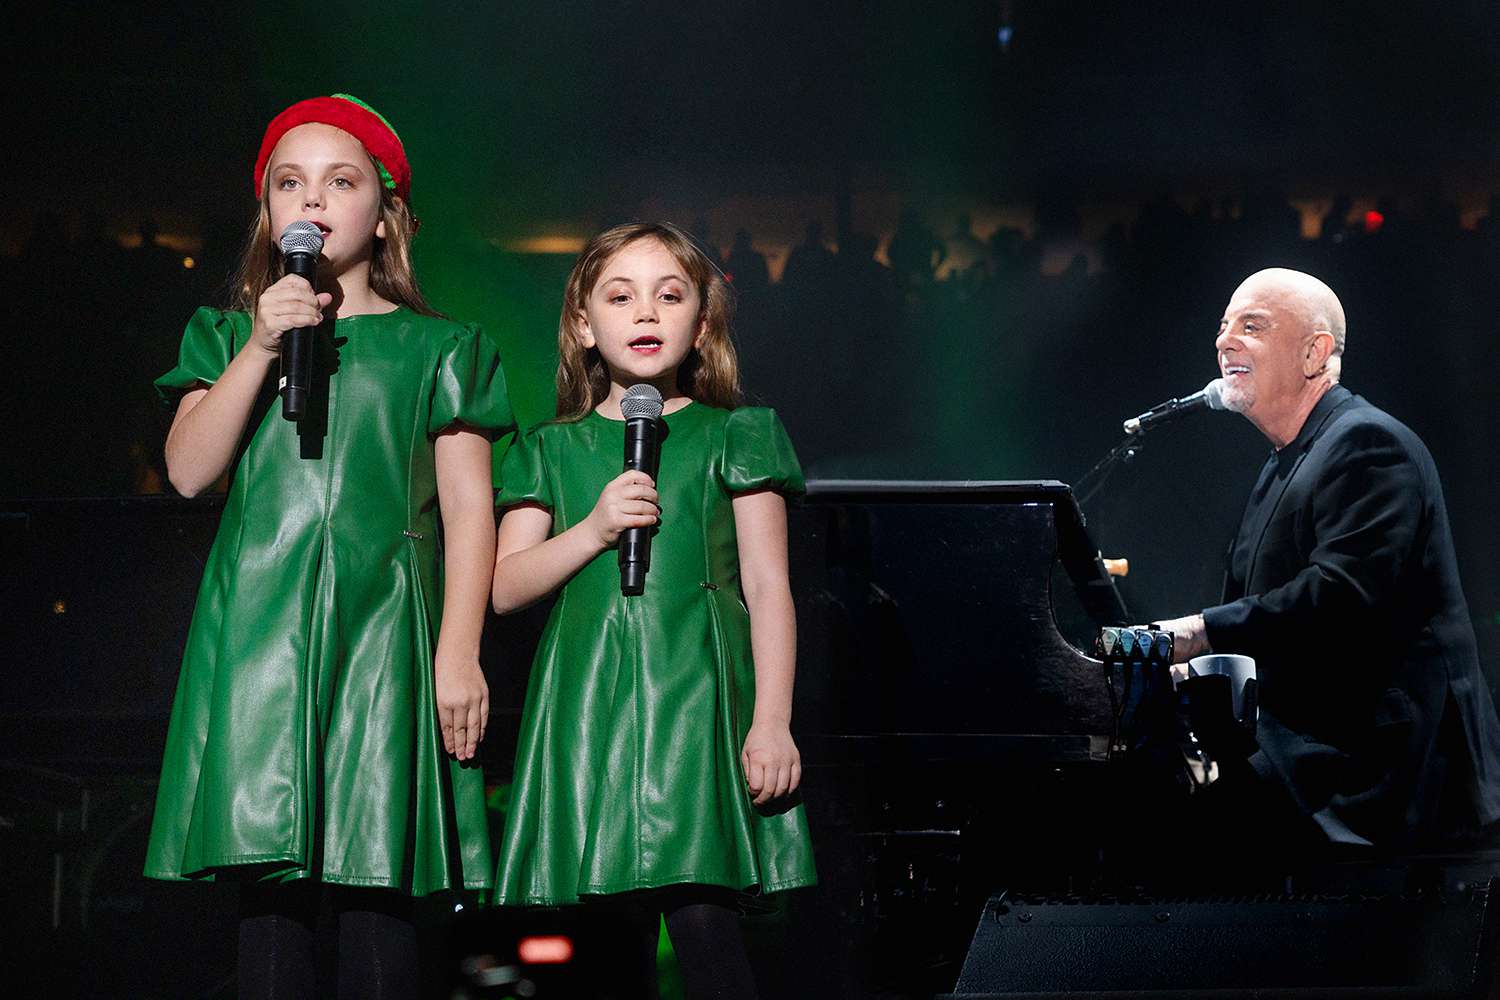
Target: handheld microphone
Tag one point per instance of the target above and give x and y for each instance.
(1210, 397)
(301, 242)
(642, 409)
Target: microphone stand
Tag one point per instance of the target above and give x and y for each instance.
(1121, 454)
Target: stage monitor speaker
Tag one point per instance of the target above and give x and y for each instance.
(1307, 946)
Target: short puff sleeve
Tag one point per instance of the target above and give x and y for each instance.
(758, 455)
(469, 387)
(523, 472)
(208, 345)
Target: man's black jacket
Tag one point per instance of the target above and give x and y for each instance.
(1344, 587)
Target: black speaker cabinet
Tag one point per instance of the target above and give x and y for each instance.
(1311, 946)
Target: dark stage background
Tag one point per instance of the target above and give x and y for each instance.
(969, 238)
(1093, 177)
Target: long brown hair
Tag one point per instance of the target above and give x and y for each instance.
(710, 373)
(391, 273)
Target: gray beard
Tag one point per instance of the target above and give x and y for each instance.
(1237, 399)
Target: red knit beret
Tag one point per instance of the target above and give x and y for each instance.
(353, 116)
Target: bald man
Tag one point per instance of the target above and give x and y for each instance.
(1376, 725)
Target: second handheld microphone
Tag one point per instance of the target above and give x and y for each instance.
(641, 408)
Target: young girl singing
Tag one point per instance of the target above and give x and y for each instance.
(325, 723)
(655, 762)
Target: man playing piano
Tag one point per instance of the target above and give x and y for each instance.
(1376, 725)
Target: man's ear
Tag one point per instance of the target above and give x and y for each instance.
(1315, 356)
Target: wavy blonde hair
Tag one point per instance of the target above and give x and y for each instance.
(391, 274)
(710, 373)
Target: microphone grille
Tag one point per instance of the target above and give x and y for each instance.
(1213, 393)
(302, 237)
(641, 400)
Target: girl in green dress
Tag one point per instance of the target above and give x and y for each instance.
(655, 765)
(330, 700)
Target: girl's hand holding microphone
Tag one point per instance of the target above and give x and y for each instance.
(628, 501)
(287, 305)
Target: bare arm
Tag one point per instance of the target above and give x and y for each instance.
(465, 500)
(529, 565)
(209, 422)
(773, 765)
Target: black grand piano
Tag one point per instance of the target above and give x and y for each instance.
(954, 734)
(951, 608)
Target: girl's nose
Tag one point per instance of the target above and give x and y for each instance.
(645, 311)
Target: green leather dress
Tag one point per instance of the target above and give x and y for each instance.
(303, 740)
(628, 770)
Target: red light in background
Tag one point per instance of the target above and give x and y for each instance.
(1373, 221)
(550, 950)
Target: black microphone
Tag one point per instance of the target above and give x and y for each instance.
(642, 410)
(1210, 397)
(301, 242)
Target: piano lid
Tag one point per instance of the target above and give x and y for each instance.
(929, 607)
(942, 490)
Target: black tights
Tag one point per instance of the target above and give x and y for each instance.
(704, 927)
(710, 951)
(377, 942)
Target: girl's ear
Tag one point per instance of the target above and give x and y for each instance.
(380, 228)
(584, 331)
(702, 332)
